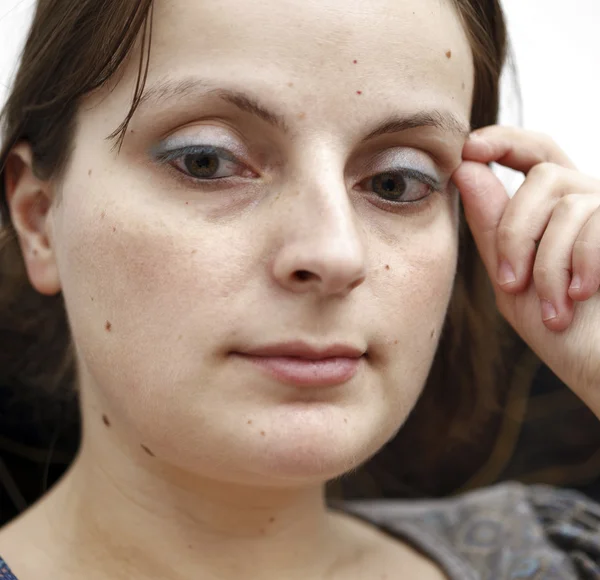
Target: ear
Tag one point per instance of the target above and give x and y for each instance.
(30, 201)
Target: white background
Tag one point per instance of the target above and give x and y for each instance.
(557, 49)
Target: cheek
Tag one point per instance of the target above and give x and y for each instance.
(142, 307)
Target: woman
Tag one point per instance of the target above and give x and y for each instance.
(256, 269)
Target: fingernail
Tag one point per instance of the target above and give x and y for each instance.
(548, 311)
(576, 283)
(506, 274)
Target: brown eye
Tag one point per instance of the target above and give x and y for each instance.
(405, 186)
(202, 165)
(391, 186)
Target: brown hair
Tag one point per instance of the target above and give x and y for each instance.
(72, 49)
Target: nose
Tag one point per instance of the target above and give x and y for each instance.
(323, 247)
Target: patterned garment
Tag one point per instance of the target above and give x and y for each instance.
(506, 532)
(5, 573)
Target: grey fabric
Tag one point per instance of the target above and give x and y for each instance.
(506, 532)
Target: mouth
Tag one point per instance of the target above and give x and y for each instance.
(302, 365)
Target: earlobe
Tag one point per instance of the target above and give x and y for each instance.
(30, 201)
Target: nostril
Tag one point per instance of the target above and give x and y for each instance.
(303, 275)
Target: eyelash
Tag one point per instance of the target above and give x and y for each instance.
(169, 157)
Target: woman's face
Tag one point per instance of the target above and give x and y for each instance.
(286, 179)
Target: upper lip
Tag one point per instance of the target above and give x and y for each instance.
(307, 351)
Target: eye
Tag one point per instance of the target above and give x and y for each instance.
(205, 163)
(401, 186)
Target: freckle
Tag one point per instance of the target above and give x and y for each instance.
(387, 266)
(355, 61)
(449, 54)
(90, 172)
(194, 252)
(302, 116)
(190, 546)
(103, 215)
(106, 421)
(108, 326)
(114, 229)
(263, 531)
(263, 433)
(359, 92)
(249, 421)
(345, 420)
(433, 333)
(396, 342)
(147, 451)
(180, 337)
(132, 131)
(271, 520)
(290, 85)
(92, 298)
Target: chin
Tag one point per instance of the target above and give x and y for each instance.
(310, 449)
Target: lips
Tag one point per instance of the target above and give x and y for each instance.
(303, 365)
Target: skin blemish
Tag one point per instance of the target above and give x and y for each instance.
(34, 252)
(105, 420)
(194, 252)
(187, 203)
(396, 342)
(108, 326)
(345, 420)
(449, 54)
(147, 451)
(90, 172)
(433, 333)
(271, 520)
(464, 86)
(249, 421)
(359, 92)
(302, 116)
(262, 433)
(102, 215)
(355, 61)
(290, 85)
(92, 298)
(387, 266)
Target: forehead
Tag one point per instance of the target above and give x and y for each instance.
(402, 49)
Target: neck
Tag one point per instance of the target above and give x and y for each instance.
(132, 522)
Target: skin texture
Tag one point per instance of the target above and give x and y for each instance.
(191, 455)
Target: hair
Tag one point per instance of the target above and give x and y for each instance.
(72, 49)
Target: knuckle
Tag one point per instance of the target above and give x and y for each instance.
(543, 276)
(505, 236)
(546, 172)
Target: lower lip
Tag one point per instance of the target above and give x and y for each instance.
(303, 372)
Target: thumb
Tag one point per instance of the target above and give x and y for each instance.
(484, 199)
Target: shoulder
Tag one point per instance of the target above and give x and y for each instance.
(517, 531)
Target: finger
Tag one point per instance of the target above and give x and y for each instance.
(526, 217)
(484, 199)
(586, 260)
(553, 261)
(515, 148)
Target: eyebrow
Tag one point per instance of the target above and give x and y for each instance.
(170, 90)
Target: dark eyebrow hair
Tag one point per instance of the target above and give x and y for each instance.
(168, 90)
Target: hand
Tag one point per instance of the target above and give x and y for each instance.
(541, 249)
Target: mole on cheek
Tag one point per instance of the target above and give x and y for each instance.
(449, 54)
(359, 92)
(147, 451)
(387, 266)
(263, 433)
(108, 326)
(355, 61)
(114, 229)
(105, 420)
